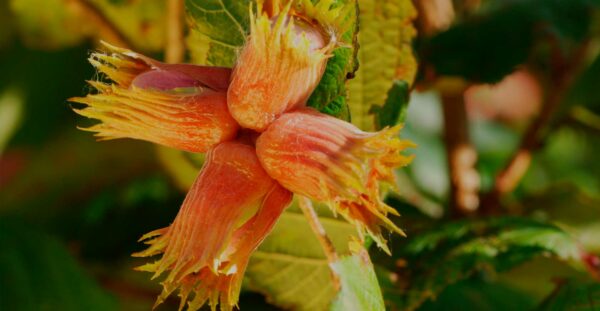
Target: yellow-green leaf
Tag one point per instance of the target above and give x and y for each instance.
(57, 23)
(385, 55)
(218, 28)
(290, 267)
(359, 286)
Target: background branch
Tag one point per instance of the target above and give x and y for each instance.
(106, 29)
(316, 226)
(461, 155)
(319, 231)
(563, 74)
(175, 48)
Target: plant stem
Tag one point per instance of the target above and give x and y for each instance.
(509, 177)
(461, 155)
(316, 226)
(512, 173)
(174, 50)
(106, 29)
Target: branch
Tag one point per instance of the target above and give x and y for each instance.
(434, 15)
(106, 29)
(461, 155)
(316, 226)
(174, 51)
(508, 178)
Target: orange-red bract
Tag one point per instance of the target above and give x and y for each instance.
(231, 207)
(278, 68)
(180, 106)
(330, 160)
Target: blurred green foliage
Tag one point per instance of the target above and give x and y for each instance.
(71, 209)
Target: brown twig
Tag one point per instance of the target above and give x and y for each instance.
(316, 226)
(174, 50)
(461, 155)
(106, 29)
(437, 16)
(326, 244)
(563, 74)
(434, 15)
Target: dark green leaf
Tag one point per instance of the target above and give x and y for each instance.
(330, 95)
(585, 90)
(455, 251)
(37, 273)
(486, 48)
(573, 295)
(479, 295)
(395, 107)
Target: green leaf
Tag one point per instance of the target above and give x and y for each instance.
(585, 90)
(573, 295)
(290, 267)
(385, 55)
(475, 294)
(395, 107)
(143, 23)
(359, 287)
(455, 251)
(57, 24)
(218, 29)
(330, 95)
(11, 114)
(37, 273)
(183, 167)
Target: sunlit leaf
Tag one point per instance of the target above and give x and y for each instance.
(359, 287)
(218, 29)
(11, 112)
(58, 23)
(290, 267)
(49, 24)
(183, 167)
(385, 55)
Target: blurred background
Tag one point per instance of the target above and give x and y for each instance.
(505, 111)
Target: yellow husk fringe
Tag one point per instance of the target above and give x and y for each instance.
(383, 151)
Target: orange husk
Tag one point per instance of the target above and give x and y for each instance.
(223, 288)
(174, 105)
(281, 63)
(123, 66)
(329, 160)
(231, 207)
(192, 122)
